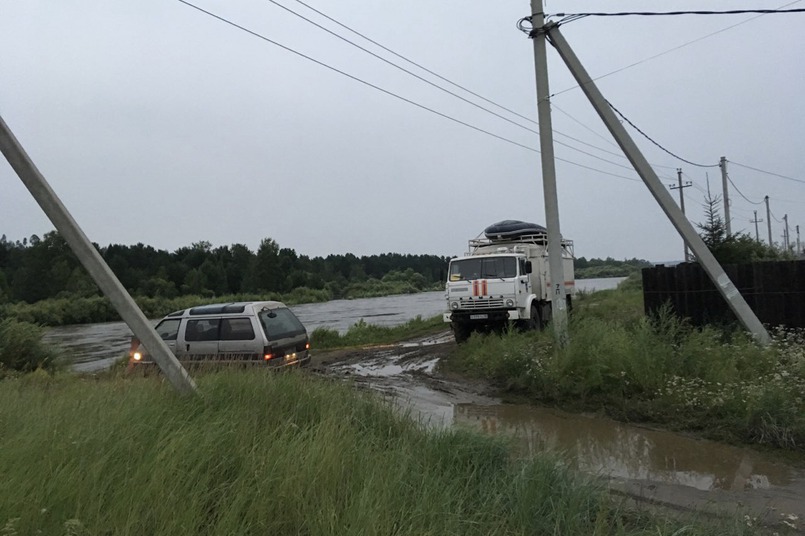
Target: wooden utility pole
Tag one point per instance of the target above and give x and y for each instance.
(768, 220)
(681, 188)
(723, 165)
(705, 257)
(756, 221)
(555, 263)
(92, 260)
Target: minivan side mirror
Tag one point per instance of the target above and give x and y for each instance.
(528, 267)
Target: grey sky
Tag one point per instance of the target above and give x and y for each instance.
(158, 124)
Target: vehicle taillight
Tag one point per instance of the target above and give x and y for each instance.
(267, 353)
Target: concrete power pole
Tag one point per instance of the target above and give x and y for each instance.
(92, 260)
(756, 221)
(723, 165)
(681, 188)
(558, 303)
(768, 220)
(785, 235)
(711, 266)
(799, 249)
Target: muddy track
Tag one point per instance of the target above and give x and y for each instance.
(648, 468)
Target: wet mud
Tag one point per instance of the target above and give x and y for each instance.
(646, 466)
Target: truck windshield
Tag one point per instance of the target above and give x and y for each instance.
(483, 268)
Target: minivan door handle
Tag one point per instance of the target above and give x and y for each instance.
(187, 346)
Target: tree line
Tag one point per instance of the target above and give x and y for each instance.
(37, 268)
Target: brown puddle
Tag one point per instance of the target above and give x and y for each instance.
(607, 448)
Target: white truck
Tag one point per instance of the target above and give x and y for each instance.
(504, 277)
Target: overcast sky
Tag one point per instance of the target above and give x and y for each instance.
(159, 124)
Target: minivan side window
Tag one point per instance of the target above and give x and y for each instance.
(168, 329)
(280, 323)
(237, 329)
(202, 330)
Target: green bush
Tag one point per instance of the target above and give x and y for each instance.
(21, 347)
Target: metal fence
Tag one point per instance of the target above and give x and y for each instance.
(775, 290)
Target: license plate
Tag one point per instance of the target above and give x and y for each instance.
(479, 317)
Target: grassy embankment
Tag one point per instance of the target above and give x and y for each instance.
(662, 370)
(263, 453)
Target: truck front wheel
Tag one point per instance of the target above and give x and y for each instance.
(461, 331)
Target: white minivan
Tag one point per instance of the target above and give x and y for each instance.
(248, 333)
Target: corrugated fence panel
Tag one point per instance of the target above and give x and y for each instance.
(775, 290)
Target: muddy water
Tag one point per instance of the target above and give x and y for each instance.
(91, 347)
(647, 465)
(601, 446)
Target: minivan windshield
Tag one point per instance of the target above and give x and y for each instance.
(283, 324)
(483, 268)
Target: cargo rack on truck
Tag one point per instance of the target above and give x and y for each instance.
(538, 239)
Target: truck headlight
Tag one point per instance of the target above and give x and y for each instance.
(509, 303)
(454, 305)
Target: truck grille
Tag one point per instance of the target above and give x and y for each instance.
(481, 303)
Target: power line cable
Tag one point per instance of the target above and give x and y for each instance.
(655, 56)
(437, 86)
(390, 93)
(775, 217)
(767, 172)
(655, 143)
(352, 77)
(741, 193)
(570, 17)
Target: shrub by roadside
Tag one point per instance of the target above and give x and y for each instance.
(21, 348)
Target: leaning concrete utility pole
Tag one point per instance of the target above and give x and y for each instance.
(555, 264)
(681, 189)
(92, 260)
(799, 250)
(768, 220)
(723, 165)
(785, 235)
(720, 279)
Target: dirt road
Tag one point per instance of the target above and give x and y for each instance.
(646, 466)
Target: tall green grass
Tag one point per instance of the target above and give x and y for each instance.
(659, 370)
(362, 333)
(262, 453)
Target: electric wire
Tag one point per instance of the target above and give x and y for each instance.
(570, 17)
(390, 93)
(352, 77)
(657, 144)
(741, 193)
(655, 56)
(437, 86)
(767, 172)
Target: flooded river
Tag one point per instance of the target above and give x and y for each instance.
(91, 347)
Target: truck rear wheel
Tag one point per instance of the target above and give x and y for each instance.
(536, 322)
(461, 331)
